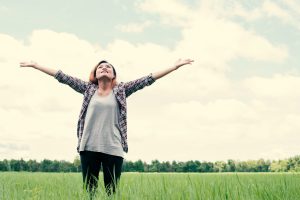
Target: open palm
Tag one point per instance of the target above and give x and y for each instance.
(181, 62)
(28, 64)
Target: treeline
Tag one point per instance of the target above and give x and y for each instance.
(261, 165)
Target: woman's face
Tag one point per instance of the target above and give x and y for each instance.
(104, 70)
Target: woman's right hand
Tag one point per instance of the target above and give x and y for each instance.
(34, 65)
(28, 64)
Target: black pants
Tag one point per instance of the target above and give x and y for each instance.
(91, 164)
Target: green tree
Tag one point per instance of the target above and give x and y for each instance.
(77, 163)
(15, 165)
(45, 165)
(155, 166)
(279, 166)
(139, 166)
(219, 166)
(3, 166)
(174, 166)
(231, 166)
(33, 166)
(191, 166)
(263, 166)
(66, 166)
(206, 167)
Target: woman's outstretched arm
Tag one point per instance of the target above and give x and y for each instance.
(179, 63)
(34, 65)
(133, 86)
(75, 83)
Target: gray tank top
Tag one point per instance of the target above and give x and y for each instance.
(101, 131)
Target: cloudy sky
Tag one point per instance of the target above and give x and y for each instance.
(239, 100)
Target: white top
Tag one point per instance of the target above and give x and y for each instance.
(101, 131)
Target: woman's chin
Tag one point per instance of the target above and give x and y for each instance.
(104, 77)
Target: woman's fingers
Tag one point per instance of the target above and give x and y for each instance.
(186, 61)
(189, 61)
(181, 62)
(23, 64)
(27, 64)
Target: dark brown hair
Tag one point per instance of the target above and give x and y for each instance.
(93, 78)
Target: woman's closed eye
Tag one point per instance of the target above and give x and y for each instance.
(106, 66)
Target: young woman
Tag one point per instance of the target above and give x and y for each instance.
(102, 124)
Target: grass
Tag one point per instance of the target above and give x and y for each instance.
(139, 186)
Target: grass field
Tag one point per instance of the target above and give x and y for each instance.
(140, 186)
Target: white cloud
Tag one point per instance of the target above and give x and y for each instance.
(134, 27)
(288, 11)
(207, 33)
(172, 12)
(10, 48)
(272, 9)
(239, 10)
(3, 9)
(210, 38)
(293, 5)
(217, 130)
(279, 86)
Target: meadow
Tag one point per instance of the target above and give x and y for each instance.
(139, 186)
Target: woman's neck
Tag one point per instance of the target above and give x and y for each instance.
(105, 86)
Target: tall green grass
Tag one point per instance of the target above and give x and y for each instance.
(140, 186)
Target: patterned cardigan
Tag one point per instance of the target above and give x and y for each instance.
(121, 91)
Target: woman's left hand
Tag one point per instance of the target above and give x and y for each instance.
(181, 62)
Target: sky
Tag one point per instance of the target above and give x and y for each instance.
(238, 100)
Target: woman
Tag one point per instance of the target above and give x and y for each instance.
(102, 124)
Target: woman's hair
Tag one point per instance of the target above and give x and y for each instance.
(93, 78)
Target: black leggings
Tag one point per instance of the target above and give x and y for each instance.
(91, 164)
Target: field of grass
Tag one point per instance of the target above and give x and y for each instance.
(140, 186)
